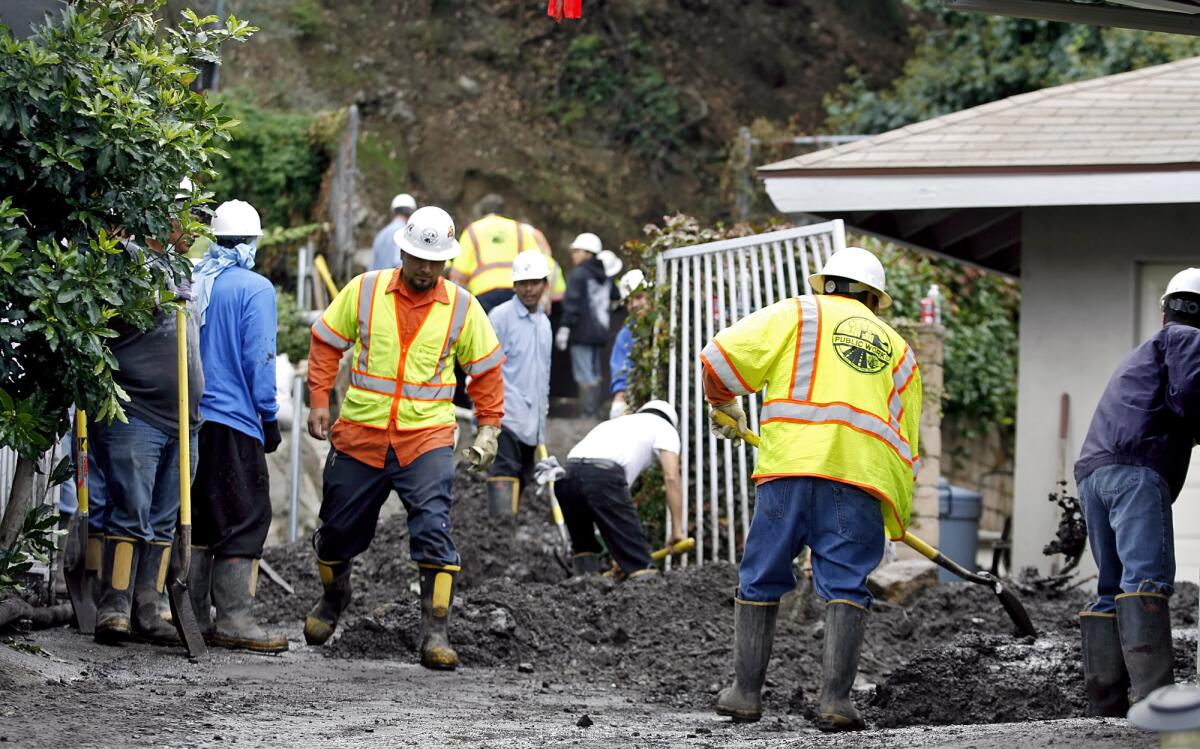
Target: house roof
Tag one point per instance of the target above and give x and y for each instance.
(1171, 16)
(1147, 119)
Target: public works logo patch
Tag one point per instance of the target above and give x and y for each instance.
(862, 344)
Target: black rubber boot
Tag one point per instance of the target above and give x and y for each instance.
(585, 400)
(148, 586)
(845, 625)
(753, 635)
(116, 589)
(1105, 679)
(234, 583)
(1144, 623)
(437, 598)
(587, 563)
(322, 619)
(200, 588)
(502, 496)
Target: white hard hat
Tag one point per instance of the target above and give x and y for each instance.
(662, 407)
(429, 235)
(236, 218)
(404, 201)
(632, 281)
(185, 189)
(612, 263)
(587, 242)
(531, 265)
(1186, 281)
(853, 264)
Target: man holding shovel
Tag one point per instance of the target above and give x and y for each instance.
(836, 466)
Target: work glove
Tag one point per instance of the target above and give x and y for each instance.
(562, 339)
(483, 451)
(271, 436)
(548, 470)
(733, 409)
(618, 407)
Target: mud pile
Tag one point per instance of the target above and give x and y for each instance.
(950, 656)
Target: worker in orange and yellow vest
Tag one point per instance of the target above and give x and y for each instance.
(408, 327)
(836, 466)
(490, 245)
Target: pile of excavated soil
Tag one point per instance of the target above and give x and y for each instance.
(949, 656)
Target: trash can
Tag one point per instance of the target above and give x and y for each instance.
(958, 526)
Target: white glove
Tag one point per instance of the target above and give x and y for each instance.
(733, 409)
(562, 338)
(545, 471)
(619, 408)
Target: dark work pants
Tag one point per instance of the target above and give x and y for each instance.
(354, 492)
(231, 497)
(595, 497)
(514, 459)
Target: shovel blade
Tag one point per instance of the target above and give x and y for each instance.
(75, 574)
(182, 614)
(1016, 612)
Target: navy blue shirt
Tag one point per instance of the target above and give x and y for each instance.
(1149, 414)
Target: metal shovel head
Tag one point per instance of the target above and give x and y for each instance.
(1014, 609)
(182, 614)
(75, 574)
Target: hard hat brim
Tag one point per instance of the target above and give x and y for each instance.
(817, 282)
(529, 277)
(449, 253)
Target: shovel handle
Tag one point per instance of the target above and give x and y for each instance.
(185, 429)
(679, 547)
(725, 420)
(81, 460)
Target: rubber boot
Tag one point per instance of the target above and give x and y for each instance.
(585, 401)
(502, 496)
(753, 635)
(234, 583)
(437, 598)
(200, 588)
(1105, 679)
(845, 624)
(148, 586)
(116, 589)
(93, 562)
(1144, 623)
(587, 563)
(322, 619)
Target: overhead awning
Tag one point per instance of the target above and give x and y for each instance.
(1171, 16)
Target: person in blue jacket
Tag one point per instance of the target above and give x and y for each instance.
(633, 288)
(1132, 467)
(231, 496)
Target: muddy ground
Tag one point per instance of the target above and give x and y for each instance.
(642, 660)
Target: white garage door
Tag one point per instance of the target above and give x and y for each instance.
(1154, 278)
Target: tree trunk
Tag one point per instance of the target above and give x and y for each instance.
(18, 502)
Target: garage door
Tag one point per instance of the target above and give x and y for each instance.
(1154, 278)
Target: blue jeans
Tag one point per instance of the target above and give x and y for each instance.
(1129, 525)
(585, 364)
(841, 524)
(138, 472)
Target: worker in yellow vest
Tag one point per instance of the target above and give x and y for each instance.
(408, 327)
(489, 247)
(836, 467)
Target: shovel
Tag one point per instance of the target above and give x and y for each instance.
(1008, 599)
(682, 546)
(181, 552)
(555, 508)
(74, 556)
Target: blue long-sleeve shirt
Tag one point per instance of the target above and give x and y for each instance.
(526, 339)
(1149, 414)
(385, 253)
(237, 347)
(618, 362)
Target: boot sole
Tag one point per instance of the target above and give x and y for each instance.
(828, 724)
(253, 646)
(313, 630)
(739, 716)
(436, 665)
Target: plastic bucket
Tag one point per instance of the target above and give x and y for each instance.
(958, 526)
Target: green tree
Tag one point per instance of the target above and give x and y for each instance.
(961, 60)
(97, 128)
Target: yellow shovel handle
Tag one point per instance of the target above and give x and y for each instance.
(322, 269)
(185, 430)
(81, 460)
(679, 547)
(725, 420)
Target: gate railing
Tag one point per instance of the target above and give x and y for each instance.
(713, 285)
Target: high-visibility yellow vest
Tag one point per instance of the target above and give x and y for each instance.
(488, 248)
(408, 382)
(842, 396)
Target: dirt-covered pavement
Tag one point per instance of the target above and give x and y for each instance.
(642, 661)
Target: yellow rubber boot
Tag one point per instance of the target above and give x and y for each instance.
(437, 598)
(322, 619)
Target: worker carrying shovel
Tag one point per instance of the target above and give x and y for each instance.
(1132, 467)
(836, 466)
(595, 491)
(407, 328)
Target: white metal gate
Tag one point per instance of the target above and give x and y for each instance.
(714, 285)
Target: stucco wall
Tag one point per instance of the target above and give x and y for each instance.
(1078, 297)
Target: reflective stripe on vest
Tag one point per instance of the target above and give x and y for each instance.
(901, 376)
(718, 361)
(838, 413)
(327, 334)
(809, 336)
(366, 297)
(491, 361)
(462, 304)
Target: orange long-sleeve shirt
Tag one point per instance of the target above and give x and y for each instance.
(368, 445)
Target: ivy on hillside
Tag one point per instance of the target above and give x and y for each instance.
(962, 60)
